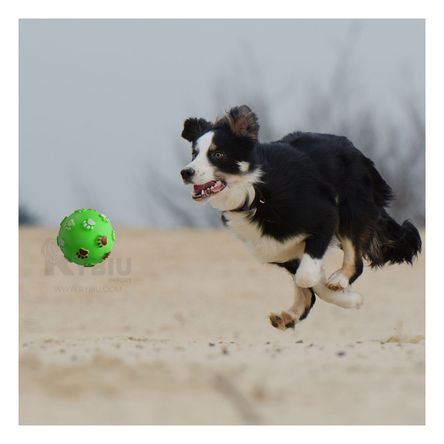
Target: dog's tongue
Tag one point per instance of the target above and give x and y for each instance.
(199, 188)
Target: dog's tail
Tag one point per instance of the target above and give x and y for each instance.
(382, 193)
(392, 243)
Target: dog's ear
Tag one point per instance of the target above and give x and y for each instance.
(241, 121)
(193, 128)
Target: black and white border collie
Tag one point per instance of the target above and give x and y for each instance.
(291, 199)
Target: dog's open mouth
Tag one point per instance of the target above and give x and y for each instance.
(208, 189)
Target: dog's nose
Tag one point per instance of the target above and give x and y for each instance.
(187, 173)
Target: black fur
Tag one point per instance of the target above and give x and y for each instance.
(316, 184)
(392, 243)
(290, 266)
(235, 149)
(194, 128)
(297, 199)
(322, 185)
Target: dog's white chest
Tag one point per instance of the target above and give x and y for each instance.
(265, 248)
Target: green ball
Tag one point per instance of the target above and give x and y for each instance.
(86, 237)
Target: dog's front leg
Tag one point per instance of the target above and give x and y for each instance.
(310, 269)
(304, 299)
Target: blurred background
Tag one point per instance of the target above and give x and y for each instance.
(173, 328)
(102, 104)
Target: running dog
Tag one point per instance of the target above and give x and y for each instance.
(289, 200)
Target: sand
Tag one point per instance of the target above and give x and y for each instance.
(174, 330)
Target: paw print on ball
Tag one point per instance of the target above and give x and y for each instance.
(61, 243)
(103, 217)
(82, 253)
(88, 224)
(101, 241)
(69, 224)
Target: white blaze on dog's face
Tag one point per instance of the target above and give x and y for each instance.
(204, 171)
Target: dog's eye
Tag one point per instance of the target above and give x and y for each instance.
(218, 155)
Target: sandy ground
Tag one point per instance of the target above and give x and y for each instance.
(174, 330)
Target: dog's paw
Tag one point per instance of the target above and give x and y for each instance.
(309, 272)
(354, 300)
(337, 281)
(342, 298)
(282, 321)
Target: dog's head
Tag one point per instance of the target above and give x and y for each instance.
(221, 153)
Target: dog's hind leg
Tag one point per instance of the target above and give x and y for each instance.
(351, 269)
(345, 298)
(304, 299)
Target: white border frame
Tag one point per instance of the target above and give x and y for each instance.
(9, 15)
